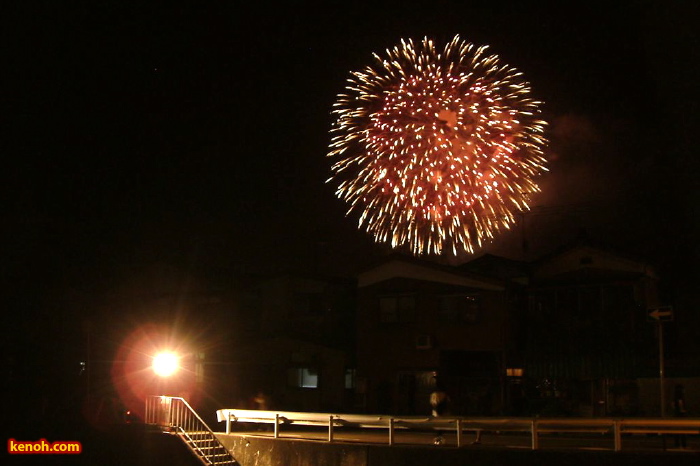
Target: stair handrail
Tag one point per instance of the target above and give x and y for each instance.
(202, 455)
(200, 424)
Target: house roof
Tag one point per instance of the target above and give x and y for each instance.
(590, 261)
(580, 261)
(403, 267)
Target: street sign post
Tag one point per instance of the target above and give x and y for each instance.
(659, 315)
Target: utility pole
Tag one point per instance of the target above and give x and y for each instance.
(662, 384)
(661, 315)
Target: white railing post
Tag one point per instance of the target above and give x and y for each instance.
(391, 431)
(535, 437)
(147, 414)
(618, 435)
(459, 433)
(330, 428)
(228, 422)
(165, 411)
(277, 425)
(176, 414)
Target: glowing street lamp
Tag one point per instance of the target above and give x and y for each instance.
(166, 364)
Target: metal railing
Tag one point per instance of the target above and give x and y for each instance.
(614, 429)
(175, 415)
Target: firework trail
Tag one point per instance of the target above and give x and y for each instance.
(436, 150)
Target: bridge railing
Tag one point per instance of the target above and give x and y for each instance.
(534, 427)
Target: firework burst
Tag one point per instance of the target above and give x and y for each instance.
(436, 149)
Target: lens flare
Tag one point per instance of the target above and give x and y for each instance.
(436, 149)
(166, 364)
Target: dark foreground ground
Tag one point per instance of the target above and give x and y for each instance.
(137, 445)
(122, 445)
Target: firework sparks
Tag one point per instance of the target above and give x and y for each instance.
(436, 149)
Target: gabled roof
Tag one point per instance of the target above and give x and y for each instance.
(590, 260)
(402, 267)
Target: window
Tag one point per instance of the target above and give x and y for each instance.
(388, 310)
(542, 304)
(199, 368)
(397, 308)
(459, 308)
(566, 301)
(303, 377)
(590, 302)
(309, 303)
(424, 342)
(514, 372)
(350, 375)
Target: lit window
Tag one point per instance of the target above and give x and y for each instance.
(514, 372)
(308, 378)
(303, 377)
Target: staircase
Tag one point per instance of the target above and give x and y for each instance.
(174, 415)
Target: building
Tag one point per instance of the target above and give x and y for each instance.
(417, 320)
(589, 338)
(299, 349)
(569, 334)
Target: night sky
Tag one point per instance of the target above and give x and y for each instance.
(194, 134)
(197, 134)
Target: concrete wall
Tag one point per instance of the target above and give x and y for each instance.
(287, 452)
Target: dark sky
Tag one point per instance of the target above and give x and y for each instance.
(195, 133)
(192, 137)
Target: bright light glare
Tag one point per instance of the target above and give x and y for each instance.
(165, 364)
